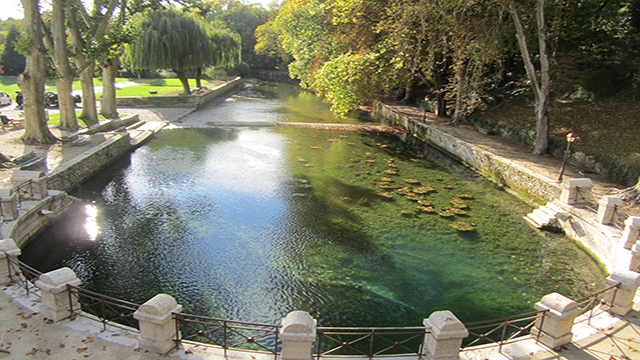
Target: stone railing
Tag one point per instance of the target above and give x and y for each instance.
(440, 338)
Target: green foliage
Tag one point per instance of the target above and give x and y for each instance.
(13, 63)
(346, 82)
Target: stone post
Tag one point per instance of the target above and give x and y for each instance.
(157, 324)
(444, 336)
(631, 233)
(298, 332)
(607, 209)
(8, 274)
(629, 282)
(558, 320)
(56, 304)
(576, 191)
(635, 258)
(39, 188)
(9, 204)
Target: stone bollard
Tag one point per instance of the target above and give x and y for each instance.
(607, 207)
(56, 304)
(576, 191)
(635, 258)
(39, 188)
(444, 336)
(558, 320)
(8, 274)
(629, 282)
(631, 233)
(157, 324)
(9, 204)
(298, 332)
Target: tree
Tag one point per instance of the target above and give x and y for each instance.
(170, 40)
(541, 86)
(32, 80)
(13, 62)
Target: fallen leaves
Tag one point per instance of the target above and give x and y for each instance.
(82, 350)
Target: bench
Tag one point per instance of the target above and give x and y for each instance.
(27, 160)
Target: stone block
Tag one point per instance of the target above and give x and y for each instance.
(8, 274)
(607, 207)
(576, 191)
(444, 336)
(157, 325)
(631, 233)
(628, 282)
(558, 320)
(56, 304)
(298, 332)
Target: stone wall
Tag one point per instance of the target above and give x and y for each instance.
(187, 101)
(71, 174)
(522, 181)
(43, 214)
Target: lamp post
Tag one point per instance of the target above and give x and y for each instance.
(426, 105)
(570, 138)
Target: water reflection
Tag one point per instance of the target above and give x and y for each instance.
(250, 224)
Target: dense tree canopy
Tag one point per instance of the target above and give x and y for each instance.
(13, 62)
(172, 40)
(457, 51)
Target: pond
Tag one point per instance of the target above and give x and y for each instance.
(358, 229)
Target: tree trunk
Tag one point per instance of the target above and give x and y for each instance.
(108, 105)
(199, 78)
(68, 120)
(540, 89)
(461, 80)
(183, 79)
(32, 81)
(89, 110)
(409, 94)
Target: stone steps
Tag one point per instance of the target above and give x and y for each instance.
(545, 216)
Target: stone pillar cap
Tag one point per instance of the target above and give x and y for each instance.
(6, 193)
(159, 305)
(445, 325)
(158, 309)
(59, 277)
(636, 248)
(611, 200)
(298, 321)
(27, 174)
(625, 277)
(9, 246)
(584, 182)
(558, 303)
(633, 221)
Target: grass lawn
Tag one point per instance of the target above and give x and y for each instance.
(9, 84)
(54, 119)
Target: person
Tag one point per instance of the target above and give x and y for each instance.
(19, 99)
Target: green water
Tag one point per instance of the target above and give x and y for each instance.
(249, 224)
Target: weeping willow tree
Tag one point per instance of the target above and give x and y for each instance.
(172, 40)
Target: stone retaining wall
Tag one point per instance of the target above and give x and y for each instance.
(71, 174)
(40, 216)
(186, 101)
(522, 181)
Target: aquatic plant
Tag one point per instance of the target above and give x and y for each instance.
(465, 196)
(448, 187)
(423, 189)
(391, 172)
(425, 202)
(385, 195)
(446, 212)
(412, 181)
(459, 203)
(462, 226)
(426, 209)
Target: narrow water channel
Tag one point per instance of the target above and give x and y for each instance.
(359, 229)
